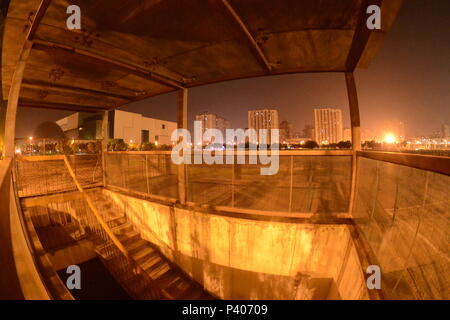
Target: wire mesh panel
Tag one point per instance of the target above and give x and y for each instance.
(263, 192)
(210, 184)
(153, 174)
(403, 214)
(49, 176)
(302, 184)
(87, 168)
(321, 184)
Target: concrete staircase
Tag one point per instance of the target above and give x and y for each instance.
(173, 283)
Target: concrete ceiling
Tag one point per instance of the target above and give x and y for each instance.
(129, 50)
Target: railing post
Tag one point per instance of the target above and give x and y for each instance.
(291, 184)
(182, 124)
(104, 144)
(232, 184)
(146, 174)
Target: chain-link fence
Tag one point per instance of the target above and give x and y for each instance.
(46, 175)
(318, 184)
(403, 214)
(153, 174)
(304, 183)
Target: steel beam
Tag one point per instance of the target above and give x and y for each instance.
(254, 45)
(60, 106)
(115, 63)
(361, 36)
(39, 85)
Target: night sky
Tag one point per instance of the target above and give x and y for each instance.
(408, 81)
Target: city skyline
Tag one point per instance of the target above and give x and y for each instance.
(419, 35)
(225, 150)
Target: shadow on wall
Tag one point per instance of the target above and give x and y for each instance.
(237, 258)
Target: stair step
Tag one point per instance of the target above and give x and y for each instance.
(167, 278)
(157, 270)
(149, 261)
(128, 236)
(131, 246)
(112, 222)
(110, 214)
(123, 228)
(178, 287)
(142, 252)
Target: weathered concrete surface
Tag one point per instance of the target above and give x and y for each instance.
(246, 259)
(9, 281)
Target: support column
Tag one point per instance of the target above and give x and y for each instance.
(354, 110)
(13, 100)
(356, 133)
(104, 144)
(182, 124)
(16, 83)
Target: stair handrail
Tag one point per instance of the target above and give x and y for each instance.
(99, 218)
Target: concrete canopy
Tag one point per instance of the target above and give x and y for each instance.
(130, 50)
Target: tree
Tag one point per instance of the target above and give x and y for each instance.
(344, 145)
(310, 144)
(148, 146)
(117, 145)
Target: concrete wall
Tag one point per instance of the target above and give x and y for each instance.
(238, 258)
(128, 126)
(69, 122)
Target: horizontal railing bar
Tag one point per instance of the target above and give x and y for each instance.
(163, 199)
(256, 214)
(53, 157)
(436, 164)
(139, 152)
(246, 152)
(41, 158)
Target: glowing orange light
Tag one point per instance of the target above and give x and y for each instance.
(389, 138)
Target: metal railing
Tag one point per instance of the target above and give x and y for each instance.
(402, 212)
(133, 278)
(114, 255)
(42, 175)
(306, 182)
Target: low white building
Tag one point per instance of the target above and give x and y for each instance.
(135, 128)
(129, 126)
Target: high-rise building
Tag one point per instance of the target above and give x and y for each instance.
(328, 125)
(263, 119)
(213, 121)
(308, 132)
(347, 135)
(445, 131)
(286, 131)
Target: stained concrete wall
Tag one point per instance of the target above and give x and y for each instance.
(238, 258)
